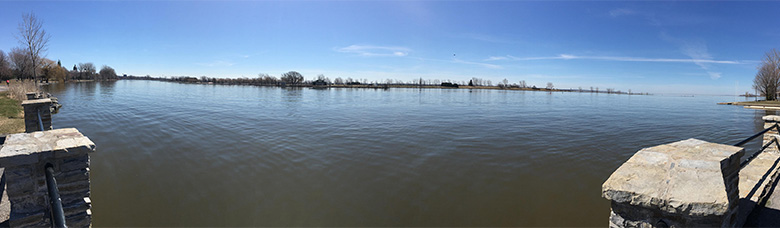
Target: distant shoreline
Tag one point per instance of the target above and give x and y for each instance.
(762, 104)
(250, 82)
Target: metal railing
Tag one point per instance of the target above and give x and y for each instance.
(55, 202)
(754, 155)
(57, 213)
(40, 120)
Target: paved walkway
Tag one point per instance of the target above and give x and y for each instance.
(5, 206)
(767, 215)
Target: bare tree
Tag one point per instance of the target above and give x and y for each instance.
(5, 66)
(106, 72)
(767, 79)
(86, 70)
(550, 86)
(292, 77)
(33, 39)
(20, 62)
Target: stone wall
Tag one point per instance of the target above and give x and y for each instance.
(31, 111)
(25, 157)
(689, 183)
(770, 121)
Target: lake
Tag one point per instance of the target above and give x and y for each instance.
(212, 155)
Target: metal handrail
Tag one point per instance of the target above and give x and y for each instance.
(57, 213)
(756, 135)
(40, 120)
(754, 155)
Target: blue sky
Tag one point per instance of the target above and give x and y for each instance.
(657, 47)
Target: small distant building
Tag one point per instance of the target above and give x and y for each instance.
(449, 84)
(320, 82)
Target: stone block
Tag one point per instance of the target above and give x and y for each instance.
(74, 163)
(30, 204)
(687, 183)
(39, 219)
(34, 109)
(79, 175)
(74, 197)
(25, 148)
(771, 118)
(25, 156)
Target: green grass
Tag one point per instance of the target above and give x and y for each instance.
(9, 108)
(11, 117)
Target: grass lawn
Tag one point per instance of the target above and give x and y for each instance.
(11, 115)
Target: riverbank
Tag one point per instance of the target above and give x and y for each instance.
(766, 105)
(11, 112)
(324, 85)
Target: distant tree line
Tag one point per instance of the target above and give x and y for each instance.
(295, 79)
(28, 61)
(18, 65)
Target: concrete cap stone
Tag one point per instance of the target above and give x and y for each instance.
(771, 118)
(682, 177)
(26, 148)
(36, 101)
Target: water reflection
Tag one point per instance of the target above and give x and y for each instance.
(107, 88)
(55, 87)
(87, 89)
(292, 94)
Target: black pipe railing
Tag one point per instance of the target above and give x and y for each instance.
(754, 155)
(756, 135)
(57, 213)
(40, 120)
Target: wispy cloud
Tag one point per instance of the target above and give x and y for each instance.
(698, 52)
(370, 50)
(494, 58)
(616, 58)
(621, 12)
(218, 63)
(491, 66)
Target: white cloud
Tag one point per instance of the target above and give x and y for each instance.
(494, 58)
(565, 56)
(697, 51)
(621, 12)
(491, 66)
(370, 50)
(714, 75)
(701, 60)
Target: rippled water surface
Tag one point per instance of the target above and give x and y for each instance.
(209, 155)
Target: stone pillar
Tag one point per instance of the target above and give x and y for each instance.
(25, 157)
(31, 96)
(689, 183)
(770, 121)
(31, 108)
